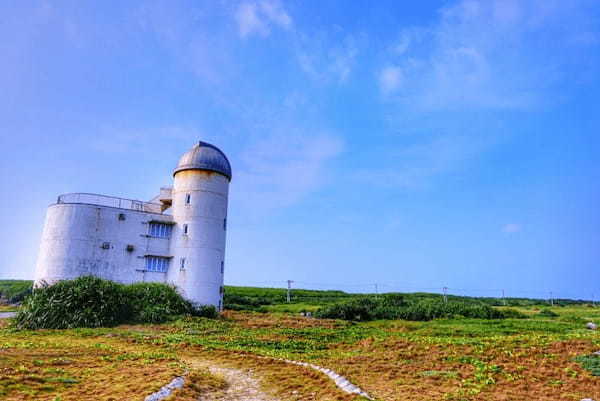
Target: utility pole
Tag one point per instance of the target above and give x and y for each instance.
(503, 299)
(551, 299)
(376, 289)
(445, 289)
(289, 289)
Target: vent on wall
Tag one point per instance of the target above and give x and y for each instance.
(105, 245)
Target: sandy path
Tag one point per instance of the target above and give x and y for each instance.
(242, 385)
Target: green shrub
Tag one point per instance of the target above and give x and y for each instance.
(513, 314)
(395, 307)
(547, 313)
(83, 302)
(155, 302)
(94, 302)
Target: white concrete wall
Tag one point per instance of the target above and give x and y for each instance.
(72, 239)
(204, 246)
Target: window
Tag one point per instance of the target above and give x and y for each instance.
(225, 223)
(121, 216)
(221, 290)
(105, 245)
(222, 267)
(157, 264)
(188, 199)
(182, 264)
(160, 230)
(185, 229)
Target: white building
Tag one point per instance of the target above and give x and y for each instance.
(130, 241)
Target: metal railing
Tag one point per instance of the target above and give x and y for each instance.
(110, 201)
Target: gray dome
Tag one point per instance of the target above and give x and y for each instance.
(204, 156)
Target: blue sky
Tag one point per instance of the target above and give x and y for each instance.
(411, 144)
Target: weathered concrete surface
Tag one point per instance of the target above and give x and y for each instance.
(203, 248)
(73, 238)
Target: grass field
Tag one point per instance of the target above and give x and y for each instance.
(446, 359)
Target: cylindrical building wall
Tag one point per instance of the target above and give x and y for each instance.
(68, 244)
(198, 240)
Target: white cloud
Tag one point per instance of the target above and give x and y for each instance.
(511, 228)
(258, 17)
(390, 79)
(325, 62)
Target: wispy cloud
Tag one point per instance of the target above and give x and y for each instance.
(279, 171)
(489, 55)
(417, 165)
(258, 17)
(327, 57)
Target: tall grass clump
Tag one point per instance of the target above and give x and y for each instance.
(156, 302)
(93, 302)
(83, 302)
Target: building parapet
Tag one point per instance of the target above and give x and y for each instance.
(110, 201)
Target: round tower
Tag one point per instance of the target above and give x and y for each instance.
(200, 192)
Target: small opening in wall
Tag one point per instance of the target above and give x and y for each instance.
(225, 223)
(188, 199)
(222, 267)
(130, 248)
(185, 229)
(105, 245)
(182, 264)
(221, 290)
(121, 216)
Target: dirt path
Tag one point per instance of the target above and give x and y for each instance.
(242, 386)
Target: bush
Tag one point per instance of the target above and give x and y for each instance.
(547, 313)
(513, 314)
(84, 302)
(155, 302)
(394, 307)
(94, 302)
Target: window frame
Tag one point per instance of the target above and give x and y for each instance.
(158, 229)
(157, 264)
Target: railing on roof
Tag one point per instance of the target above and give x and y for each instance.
(110, 201)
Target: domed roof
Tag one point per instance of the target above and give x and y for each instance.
(204, 156)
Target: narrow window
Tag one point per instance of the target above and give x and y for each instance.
(182, 264)
(222, 267)
(221, 290)
(225, 223)
(157, 264)
(185, 229)
(188, 199)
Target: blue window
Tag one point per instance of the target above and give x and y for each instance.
(157, 264)
(160, 230)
